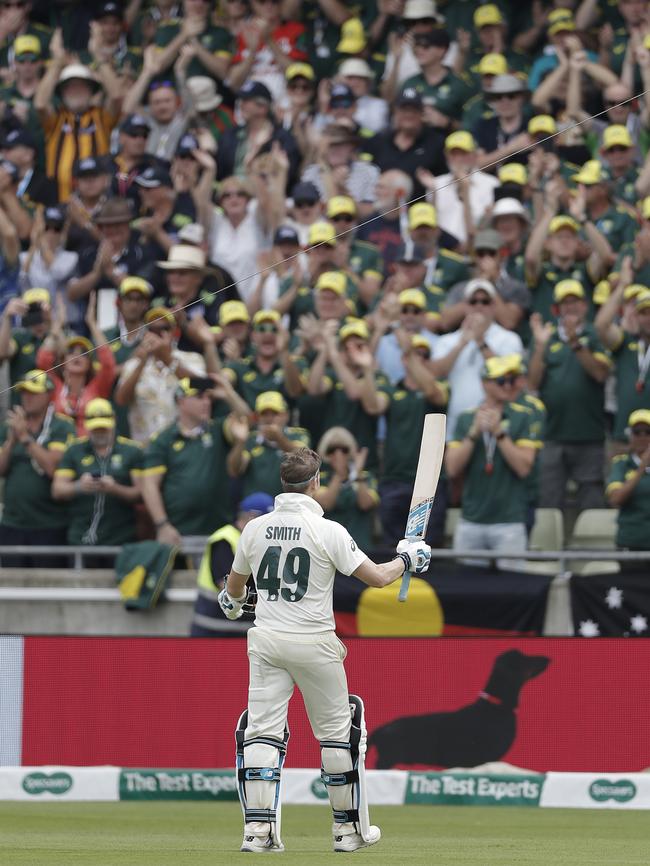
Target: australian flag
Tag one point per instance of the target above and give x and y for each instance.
(611, 605)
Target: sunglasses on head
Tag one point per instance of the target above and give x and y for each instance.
(334, 448)
(483, 302)
(505, 380)
(266, 328)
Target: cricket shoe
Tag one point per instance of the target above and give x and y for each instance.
(260, 845)
(355, 841)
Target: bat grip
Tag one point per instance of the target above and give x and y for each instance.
(404, 588)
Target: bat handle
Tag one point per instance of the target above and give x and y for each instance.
(404, 588)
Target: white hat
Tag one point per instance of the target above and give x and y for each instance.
(182, 257)
(355, 66)
(480, 284)
(192, 233)
(77, 71)
(509, 207)
(415, 9)
(204, 92)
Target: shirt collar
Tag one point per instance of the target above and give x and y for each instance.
(297, 502)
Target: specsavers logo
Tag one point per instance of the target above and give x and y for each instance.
(41, 783)
(622, 791)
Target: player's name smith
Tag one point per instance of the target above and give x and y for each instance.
(283, 533)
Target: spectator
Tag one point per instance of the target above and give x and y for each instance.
(463, 194)
(492, 450)
(617, 153)
(108, 43)
(27, 68)
(103, 266)
(444, 267)
(80, 127)
(20, 148)
(296, 110)
(131, 159)
(616, 223)
(362, 257)
(149, 378)
(16, 22)
(186, 462)
(19, 345)
(371, 112)
(33, 439)
(280, 263)
(409, 144)
(46, 263)
(405, 404)
(99, 476)
(628, 489)
(213, 45)
(91, 179)
(15, 210)
(478, 106)
(568, 360)
(234, 325)
(307, 209)
(71, 366)
(339, 168)
(629, 343)
(9, 252)
(383, 227)
(504, 136)
(347, 492)
(459, 356)
(510, 219)
(391, 341)
(419, 17)
(209, 113)
(256, 454)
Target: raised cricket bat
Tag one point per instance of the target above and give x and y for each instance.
(432, 448)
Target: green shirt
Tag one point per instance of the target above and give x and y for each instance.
(346, 511)
(624, 187)
(250, 382)
(618, 225)
(492, 491)
(40, 31)
(339, 410)
(304, 303)
(476, 108)
(450, 268)
(217, 40)
(122, 352)
(538, 428)
(448, 96)
(365, 258)
(262, 474)
(195, 483)
(634, 514)
(628, 398)
(28, 503)
(23, 359)
(98, 518)
(549, 275)
(573, 399)
(404, 424)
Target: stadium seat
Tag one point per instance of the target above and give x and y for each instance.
(548, 531)
(451, 519)
(594, 528)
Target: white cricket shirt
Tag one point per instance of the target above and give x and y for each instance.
(293, 554)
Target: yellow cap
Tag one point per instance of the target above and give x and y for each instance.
(568, 289)
(645, 208)
(191, 387)
(99, 415)
(270, 401)
(354, 328)
(36, 382)
(422, 214)
(299, 70)
(513, 172)
(542, 123)
(562, 221)
(486, 15)
(36, 296)
(633, 291)
(353, 37)
(136, 284)
(639, 416)
(602, 291)
(616, 136)
(643, 301)
(460, 140)
(646, 41)
(413, 297)
(492, 64)
(159, 312)
(266, 316)
(27, 44)
(332, 280)
(78, 340)
(559, 20)
(233, 311)
(590, 173)
(420, 342)
(321, 233)
(499, 365)
(339, 204)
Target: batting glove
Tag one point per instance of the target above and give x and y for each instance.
(415, 553)
(233, 608)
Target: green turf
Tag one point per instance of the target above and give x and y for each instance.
(175, 834)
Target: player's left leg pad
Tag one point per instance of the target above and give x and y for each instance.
(259, 774)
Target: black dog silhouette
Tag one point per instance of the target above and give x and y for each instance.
(478, 733)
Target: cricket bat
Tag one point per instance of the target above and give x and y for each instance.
(432, 449)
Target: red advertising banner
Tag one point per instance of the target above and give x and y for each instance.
(543, 704)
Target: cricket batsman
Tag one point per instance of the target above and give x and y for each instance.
(293, 553)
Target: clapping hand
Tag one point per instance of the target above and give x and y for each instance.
(542, 331)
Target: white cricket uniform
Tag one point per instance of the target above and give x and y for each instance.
(293, 554)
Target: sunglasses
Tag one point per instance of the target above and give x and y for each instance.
(618, 148)
(480, 253)
(53, 227)
(266, 328)
(497, 97)
(334, 448)
(423, 43)
(483, 302)
(505, 380)
(137, 133)
(411, 309)
(640, 431)
(304, 203)
(234, 193)
(299, 85)
(342, 218)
